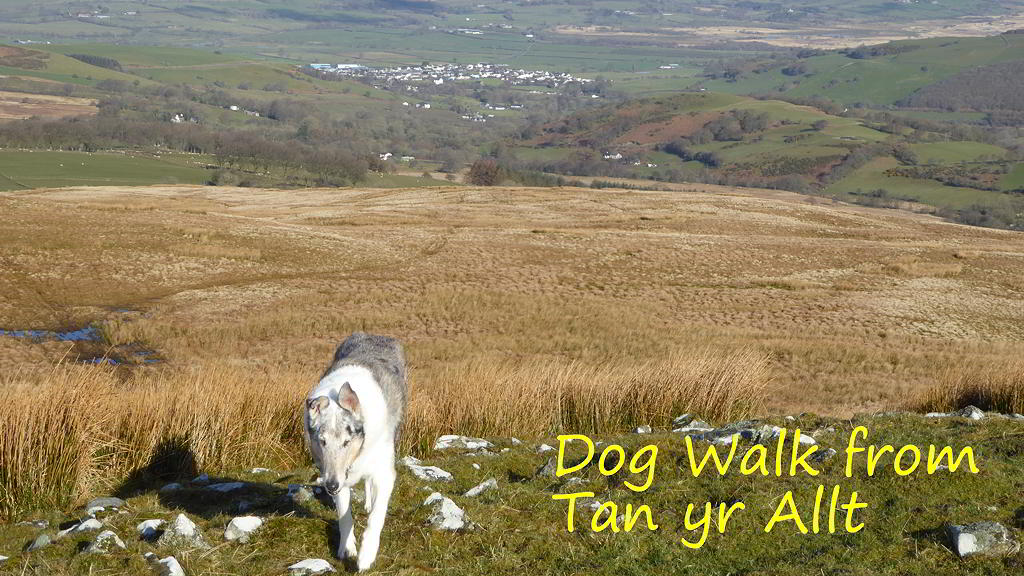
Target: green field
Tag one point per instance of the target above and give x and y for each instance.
(954, 152)
(24, 170)
(145, 56)
(882, 80)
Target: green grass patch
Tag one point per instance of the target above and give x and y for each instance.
(24, 170)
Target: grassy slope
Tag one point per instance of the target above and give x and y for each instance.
(521, 529)
(883, 80)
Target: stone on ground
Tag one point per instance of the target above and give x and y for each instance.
(226, 486)
(450, 441)
(41, 541)
(100, 504)
(430, 473)
(86, 525)
(183, 533)
(300, 493)
(241, 527)
(446, 514)
(486, 485)
(171, 487)
(170, 567)
(104, 543)
(545, 448)
(150, 529)
(983, 539)
(311, 566)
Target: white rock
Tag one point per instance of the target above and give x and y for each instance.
(983, 539)
(170, 567)
(149, 529)
(645, 429)
(450, 441)
(183, 532)
(694, 426)
(226, 486)
(3, 558)
(936, 415)
(242, 527)
(84, 526)
(259, 470)
(515, 441)
(171, 487)
(970, 412)
(446, 514)
(475, 466)
(311, 566)
(105, 542)
(486, 485)
(430, 473)
(544, 448)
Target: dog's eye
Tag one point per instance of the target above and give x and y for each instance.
(345, 443)
(323, 442)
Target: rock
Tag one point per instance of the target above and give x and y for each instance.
(970, 412)
(149, 530)
(982, 539)
(486, 485)
(170, 567)
(171, 487)
(545, 448)
(823, 455)
(548, 468)
(104, 543)
(429, 473)
(450, 441)
(226, 487)
(1017, 416)
(645, 429)
(446, 514)
(40, 524)
(698, 426)
(41, 541)
(260, 470)
(3, 559)
(682, 420)
(475, 466)
(769, 432)
(201, 479)
(515, 441)
(300, 494)
(311, 566)
(936, 415)
(241, 527)
(107, 502)
(182, 533)
(84, 526)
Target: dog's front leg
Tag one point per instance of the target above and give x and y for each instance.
(383, 483)
(346, 537)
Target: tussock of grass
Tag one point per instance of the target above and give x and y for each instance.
(996, 387)
(72, 429)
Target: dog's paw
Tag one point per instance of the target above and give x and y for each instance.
(365, 563)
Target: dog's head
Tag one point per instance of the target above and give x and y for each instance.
(335, 435)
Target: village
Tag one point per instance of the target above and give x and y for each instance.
(438, 74)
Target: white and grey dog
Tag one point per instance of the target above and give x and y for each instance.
(352, 422)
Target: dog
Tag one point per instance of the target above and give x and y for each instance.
(352, 422)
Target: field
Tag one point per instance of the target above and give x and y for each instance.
(18, 106)
(878, 81)
(40, 169)
(525, 312)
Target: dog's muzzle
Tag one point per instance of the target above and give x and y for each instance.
(332, 487)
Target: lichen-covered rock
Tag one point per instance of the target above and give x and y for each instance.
(310, 566)
(446, 514)
(454, 441)
(486, 485)
(983, 539)
(241, 527)
(970, 412)
(100, 504)
(429, 473)
(548, 469)
(545, 448)
(183, 533)
(823, 455)
(300, 493)
(104, 543)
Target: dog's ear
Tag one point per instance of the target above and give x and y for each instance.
(347, 399)
(316, 406)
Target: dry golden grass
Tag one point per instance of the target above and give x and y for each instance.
(73, 429)
(993, 386)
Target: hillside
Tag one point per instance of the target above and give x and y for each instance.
(857, 308)
(874, 76)
(525, 312)
(720, 138)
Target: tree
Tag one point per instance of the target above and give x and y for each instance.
(485, 172)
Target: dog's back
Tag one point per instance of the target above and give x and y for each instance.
(384, 358)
